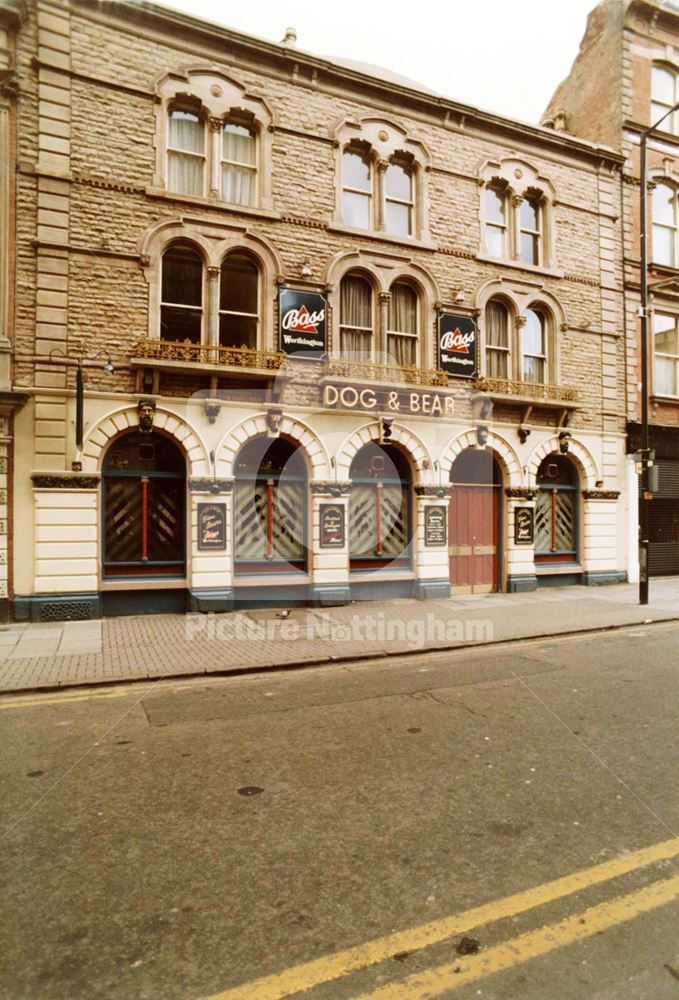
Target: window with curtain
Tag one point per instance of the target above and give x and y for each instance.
(533, 347)
(402, 331)
(665, 355)
(496, 222)
(239, 164)
(529, 230)
(356, 318)
(497, 340)
(185, 152)
(665, 225)
(181, 305)
(398, 195)
(238, 301)
(356, 189)
(664, 95)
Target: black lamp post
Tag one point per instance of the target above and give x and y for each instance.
(643, 313)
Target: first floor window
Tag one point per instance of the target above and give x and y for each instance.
(533, 347)
(665, 225)
(497, 340)
(238, 302)
(181, 305)
(666, 355)
(402, 332)
(356, 318)
(556, 511)
(270, 507)
(379, 511)
(186, 152)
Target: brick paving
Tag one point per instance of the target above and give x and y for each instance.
(34, 656)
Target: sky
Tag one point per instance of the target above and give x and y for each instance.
(506, 57)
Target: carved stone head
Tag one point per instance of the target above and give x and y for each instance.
(146, 409)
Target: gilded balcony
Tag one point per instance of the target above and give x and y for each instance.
(535, 392)
(360, 371)
(177, 354)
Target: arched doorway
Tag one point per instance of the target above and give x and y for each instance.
(270, 510)
(144, 507)
(556, 512)
(380, 509)
(474, 523)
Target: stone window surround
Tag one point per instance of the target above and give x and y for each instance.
(213, 241)
(516, 180)
(384, 142)
(381, 272)
(665, 178)
(673, 119)
(220, 99)
(517, 297)
(657, 307)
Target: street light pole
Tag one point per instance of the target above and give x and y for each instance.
(643, 313)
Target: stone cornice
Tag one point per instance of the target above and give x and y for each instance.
(520, 493)
(433, 491)
(211, 485)
(601, 494)
(64, 481)
(329, 489)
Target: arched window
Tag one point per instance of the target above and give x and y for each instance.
(498, 355)
(238, 301)
(534, 347)
(356, 318)
(530, 230)
(398, 199)
(270, 507)
(666, 354)
(556, 511)
(239, 163)
(380, 508)
(665, 225)
(186, 152)
(144, 487)
(496, 222)
(181, 307)
(357, 187)
(664, 95)
(402, 331)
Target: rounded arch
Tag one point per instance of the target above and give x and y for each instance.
(414, 447)
(255, 426)
(100, 435)
(577, 452)
(502, 450)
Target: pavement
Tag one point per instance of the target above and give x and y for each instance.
(35, 656)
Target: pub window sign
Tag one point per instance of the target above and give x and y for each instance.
(211, 526)
(303, 323)
(457, 338)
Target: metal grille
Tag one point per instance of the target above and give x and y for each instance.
(66, 610)
(565, 525)
(123, 521)
(286, 521)
(555, 521)
(165, 521)
(394, 531)
(543, 522)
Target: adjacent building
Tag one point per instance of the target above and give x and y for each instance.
(624, 81)
(297, 330)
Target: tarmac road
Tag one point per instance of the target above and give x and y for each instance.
(499, 822)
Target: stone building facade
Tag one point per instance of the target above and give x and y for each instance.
(293, 332)
(625, 79)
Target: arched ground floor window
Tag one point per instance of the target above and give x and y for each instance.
(144, 507)
(556, 511)
(380, 509)
(474, 520)
(270, 510)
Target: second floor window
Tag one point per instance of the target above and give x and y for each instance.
(186, 153)
(665, 225)
(496, 222)
(181, 306)
(398, 195)
(529, 231)
(239, 165)
(356, 318)
(664, 95)
(356, 190)
(497, 340)
(533, 347)
(666, 355)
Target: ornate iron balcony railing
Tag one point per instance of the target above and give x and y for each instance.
(386, 373)
(203, 354)
(527, 390)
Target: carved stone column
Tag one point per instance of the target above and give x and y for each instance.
(380, 194)
(216, 125)
(213, 306)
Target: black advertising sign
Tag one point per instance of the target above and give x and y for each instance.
(435, 526)
(302, 325)
(211, 526)
(457, 345)
(332, 526)
(524, 519)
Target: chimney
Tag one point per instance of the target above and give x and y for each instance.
(290, 38)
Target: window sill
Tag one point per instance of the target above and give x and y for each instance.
(556, 569)
(658, 398)
(225, 206)
(372, 234)
(519, 265)
(149, 583)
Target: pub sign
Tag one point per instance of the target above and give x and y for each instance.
(211, 526)
(435, 526)
(302, 323)
(524, 521)
(457, 345)
(332, 526)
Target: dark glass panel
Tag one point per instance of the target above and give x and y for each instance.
(182, 282)
(238, 287)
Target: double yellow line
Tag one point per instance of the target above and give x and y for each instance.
(307, 975)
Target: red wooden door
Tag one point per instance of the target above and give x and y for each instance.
(473, 548)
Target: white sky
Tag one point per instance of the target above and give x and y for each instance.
(502, 56)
